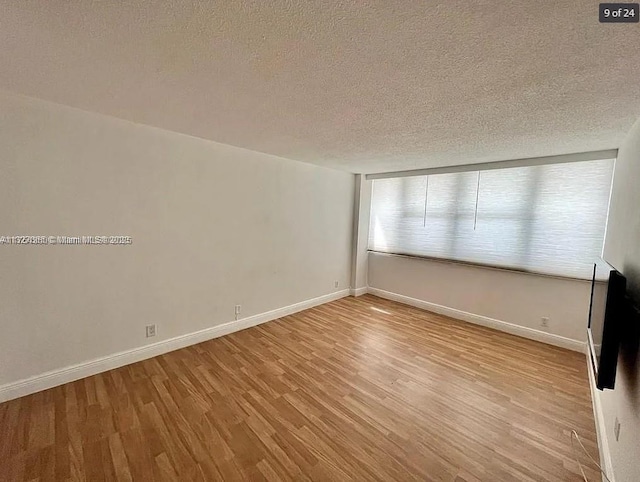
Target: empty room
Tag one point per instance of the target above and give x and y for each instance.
(323, 241)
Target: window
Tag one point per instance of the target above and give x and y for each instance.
(546, 218)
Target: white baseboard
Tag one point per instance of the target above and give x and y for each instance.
(601, 429)
(499, 325)
(358, 291)
(92, 367)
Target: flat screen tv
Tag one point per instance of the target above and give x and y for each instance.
(606, 320)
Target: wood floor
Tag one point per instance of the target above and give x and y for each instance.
(357, 389)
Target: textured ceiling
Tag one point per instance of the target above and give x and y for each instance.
(361, 86)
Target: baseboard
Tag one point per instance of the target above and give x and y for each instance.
(504, 326)
(92, 367)
(358, 291)
(601, 429)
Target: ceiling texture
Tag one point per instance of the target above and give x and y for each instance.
(360, 86)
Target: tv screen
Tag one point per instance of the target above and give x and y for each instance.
(606, 317)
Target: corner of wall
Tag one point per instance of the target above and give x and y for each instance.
(361, 214)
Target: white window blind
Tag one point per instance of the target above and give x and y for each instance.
(548, 218)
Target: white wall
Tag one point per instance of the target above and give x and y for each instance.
(520, 299)
(622, 250)
(212, 225)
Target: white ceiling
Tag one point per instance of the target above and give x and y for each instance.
(361, 86)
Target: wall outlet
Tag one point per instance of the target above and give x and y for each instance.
(616, 429)
(151, 331)
(544, 322)
(238, 309)
(336, 284)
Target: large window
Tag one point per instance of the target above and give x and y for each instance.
(547, 218)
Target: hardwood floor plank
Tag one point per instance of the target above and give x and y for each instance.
(357, 389)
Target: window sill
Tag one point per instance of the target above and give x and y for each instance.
(482, 265)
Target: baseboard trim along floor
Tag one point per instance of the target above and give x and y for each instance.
(92, 367)
(499, 325)
(601, 430)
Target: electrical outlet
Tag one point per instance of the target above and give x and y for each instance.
(151, 331)
(616, 429)
(336, 284)
(544, 322)
(238, 309)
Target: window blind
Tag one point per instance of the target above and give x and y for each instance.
(547, 218)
